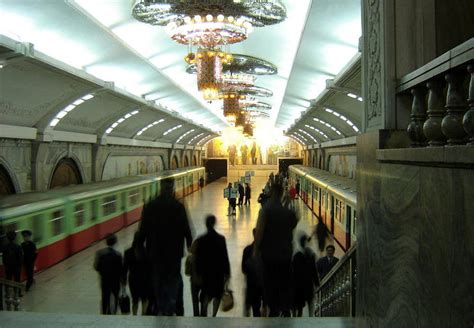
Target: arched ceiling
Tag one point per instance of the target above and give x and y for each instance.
(100, 41)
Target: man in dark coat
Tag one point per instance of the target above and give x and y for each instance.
(12, 257)
(164, 228)
(212, 265)
(29, 257)
(136, 269)
(273, 242)
(248, 193)
(305, 278)
(108, 262)
(325, 264)
(241, 194)
(252, 269)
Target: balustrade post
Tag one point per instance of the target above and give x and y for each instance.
(468, 120)
(418, 117)
(436, 112)
(456, 107)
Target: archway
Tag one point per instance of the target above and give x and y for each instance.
(195, 161)
(186, 161)
(66, 173)
(174, 163)
(6, 183)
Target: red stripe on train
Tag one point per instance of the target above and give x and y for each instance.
(60, 250)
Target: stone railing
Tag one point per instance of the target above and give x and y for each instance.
(335, 297)
(442, 98)
(10, 295)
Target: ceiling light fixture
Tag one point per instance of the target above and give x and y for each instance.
(120, 120)
(69, 108)
(209, 23)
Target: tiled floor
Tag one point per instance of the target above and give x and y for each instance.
(72, 285)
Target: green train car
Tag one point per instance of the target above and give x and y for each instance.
(64, 221)
(333, 199)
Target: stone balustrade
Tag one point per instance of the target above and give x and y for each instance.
(442, 92)
(335, 297)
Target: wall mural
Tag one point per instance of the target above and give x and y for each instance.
(122, 166)
(343, 165)
(241, 150)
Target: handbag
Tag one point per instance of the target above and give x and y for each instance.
(124, 302)
(227, 302)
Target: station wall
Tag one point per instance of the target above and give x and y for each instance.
(30, 164)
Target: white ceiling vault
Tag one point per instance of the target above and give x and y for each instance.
(101, 37)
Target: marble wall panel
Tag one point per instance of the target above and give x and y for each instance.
(415, 245)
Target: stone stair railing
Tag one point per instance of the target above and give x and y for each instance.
(442, 94)
(10, 292)
(336, 295)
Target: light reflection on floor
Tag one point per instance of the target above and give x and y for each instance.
(72, 285)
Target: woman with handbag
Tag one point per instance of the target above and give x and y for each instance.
(212, 264)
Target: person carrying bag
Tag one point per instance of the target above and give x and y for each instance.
(124, 301)
(227, 302)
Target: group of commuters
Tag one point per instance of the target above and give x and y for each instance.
(16, 256)
(241, 194)
(152, 266)
(280, 282)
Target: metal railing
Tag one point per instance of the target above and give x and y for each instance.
(10, 292)
(441, 94)
(335, 296)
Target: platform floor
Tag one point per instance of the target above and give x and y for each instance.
(72, 286)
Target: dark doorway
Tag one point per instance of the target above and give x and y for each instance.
(285, 162)
(215, 169)
(6, 183)
(66, 173)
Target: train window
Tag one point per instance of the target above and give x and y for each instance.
(36, 223)
(109, 206)
(94, 208)
(79, 214)
(56, 222)
(133, 197)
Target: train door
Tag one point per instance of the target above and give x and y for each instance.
(331, 212)
(348, 225)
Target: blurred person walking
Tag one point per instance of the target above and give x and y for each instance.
(212, 264)
(248, 193)
(137, 269)
(194, 278)
(164, 229)
(108, 263)
(29, 257)
(252, 269)
(12, 258)
(273, 242)
(305, 278)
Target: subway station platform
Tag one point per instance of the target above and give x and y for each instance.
(42, 320)
(72, 286)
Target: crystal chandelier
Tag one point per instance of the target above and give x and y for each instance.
(209, 23)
